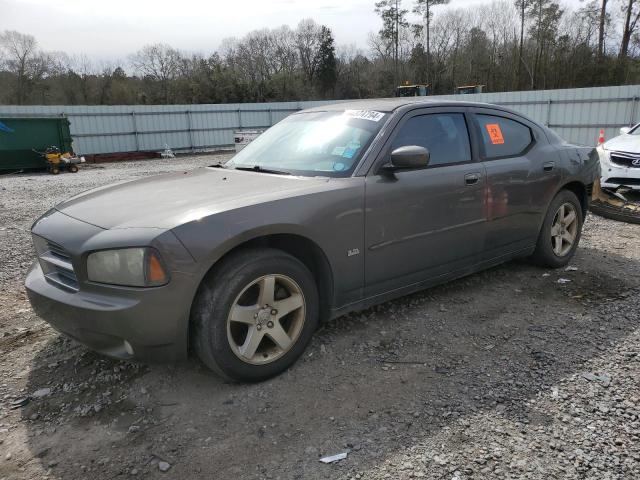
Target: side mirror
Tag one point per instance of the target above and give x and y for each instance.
(625, 130)
(410, 157)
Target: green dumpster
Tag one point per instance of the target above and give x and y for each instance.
(20, 136)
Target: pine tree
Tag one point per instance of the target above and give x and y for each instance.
(425, 8)
(393, 17)
(327, 67)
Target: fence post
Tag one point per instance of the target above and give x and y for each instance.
(270, 117)
(189, 130)
(135, 130)
(548, 112)
(634, 103)
(239, 118)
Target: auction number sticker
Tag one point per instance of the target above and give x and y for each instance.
(495, 134)
(365, 115)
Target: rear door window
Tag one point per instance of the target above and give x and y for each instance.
(445, 135)
(503, 137)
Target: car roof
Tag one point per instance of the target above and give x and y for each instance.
(391, 104)
(388, 105)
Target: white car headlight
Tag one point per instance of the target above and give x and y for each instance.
(131, 267)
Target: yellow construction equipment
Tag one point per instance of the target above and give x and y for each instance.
(469, 89)
(58, 161)
(417, 90)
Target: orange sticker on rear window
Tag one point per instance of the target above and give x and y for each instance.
(495, 134)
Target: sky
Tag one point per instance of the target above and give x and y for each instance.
(113, 29)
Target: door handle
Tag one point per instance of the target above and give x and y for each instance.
(471, 178)
(548, 166)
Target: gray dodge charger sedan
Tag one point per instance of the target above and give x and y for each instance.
(334, 209)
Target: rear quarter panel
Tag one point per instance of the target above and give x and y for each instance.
(579, 164)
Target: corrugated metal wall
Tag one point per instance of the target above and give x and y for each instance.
(129, 128)
(575, 114)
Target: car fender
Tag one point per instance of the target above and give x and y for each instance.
(249, 236)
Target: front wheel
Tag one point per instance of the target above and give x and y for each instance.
(255, 315)
(560, 232)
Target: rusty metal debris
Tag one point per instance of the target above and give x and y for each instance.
(614, 205)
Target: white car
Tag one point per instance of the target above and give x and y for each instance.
(620, 159)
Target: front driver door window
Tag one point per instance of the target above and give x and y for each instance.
(444, 135)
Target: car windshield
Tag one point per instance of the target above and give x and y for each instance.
(635, 130)
(313, 143)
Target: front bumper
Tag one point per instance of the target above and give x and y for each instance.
(147, 324)
(144, 326)
(614, 175)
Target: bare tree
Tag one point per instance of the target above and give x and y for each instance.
(545, 15)
(307, 42)
(393, 20)
(522, 6)
(596, 11)
(20, 53)
(631, 16)
(159, 62)
(285, 58)
(552, 48)
(601, 26)
(500, 25)
(425, 9)
(84, 68)
(453, 25)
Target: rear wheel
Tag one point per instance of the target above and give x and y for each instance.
(560, 233)
(255, 315)
(73, 168)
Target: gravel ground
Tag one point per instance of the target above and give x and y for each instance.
(503, 374)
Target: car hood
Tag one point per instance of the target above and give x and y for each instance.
(165, 201)
(624, 143)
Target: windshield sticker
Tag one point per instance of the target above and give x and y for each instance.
(338, 151)
(495, 134)
(349, 152)
(339, 166)
(365, 115)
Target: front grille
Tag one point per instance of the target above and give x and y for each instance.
(626, 159)
(56, 264)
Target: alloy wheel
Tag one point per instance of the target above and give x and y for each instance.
(564, 229)
(266, 319)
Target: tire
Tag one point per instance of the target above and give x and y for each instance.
(547, 252)
(55, 170)
(614, 213)
(222, 342)
(73, 168)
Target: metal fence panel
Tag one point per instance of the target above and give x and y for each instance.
(575, 114)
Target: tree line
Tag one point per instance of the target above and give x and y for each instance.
(528, 44)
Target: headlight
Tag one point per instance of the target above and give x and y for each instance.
(131, 267)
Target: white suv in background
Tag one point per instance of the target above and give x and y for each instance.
(620, 159)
